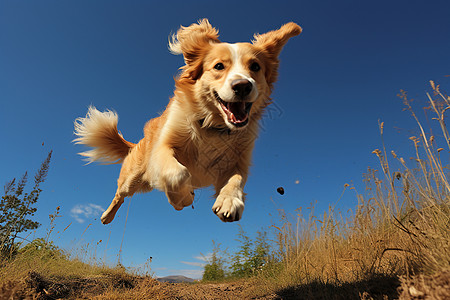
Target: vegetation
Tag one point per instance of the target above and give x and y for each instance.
(214, 270)
(16, 206)
(252, 255)
(248, 261)
(400, 227)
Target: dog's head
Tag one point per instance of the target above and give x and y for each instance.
(231, 82)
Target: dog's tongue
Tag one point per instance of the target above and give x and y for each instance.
(236, 112)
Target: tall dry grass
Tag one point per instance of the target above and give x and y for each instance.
(400, 225)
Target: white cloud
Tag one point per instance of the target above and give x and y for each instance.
(203, 257)
(193, 263)
(197, 273)
(80, 212)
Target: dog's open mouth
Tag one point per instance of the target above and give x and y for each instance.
(237, 112)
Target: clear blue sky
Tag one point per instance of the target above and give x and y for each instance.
(337, 79)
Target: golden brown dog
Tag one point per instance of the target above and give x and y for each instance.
(207, 132)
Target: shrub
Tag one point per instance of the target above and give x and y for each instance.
(16, 206)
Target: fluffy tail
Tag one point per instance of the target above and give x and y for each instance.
(99, 131)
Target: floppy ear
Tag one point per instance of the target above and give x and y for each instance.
(193, 41)
(271, 44)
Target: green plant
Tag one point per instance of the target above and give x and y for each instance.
(252, 255)
(16, 206)
(214, 270)
(41, 248)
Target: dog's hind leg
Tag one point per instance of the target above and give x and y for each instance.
(110, 213)
(125, 188)
(130, 181)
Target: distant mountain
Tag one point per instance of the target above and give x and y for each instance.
(175, 279)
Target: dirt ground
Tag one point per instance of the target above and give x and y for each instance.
(426, 287)
(36, 286)
(231, 290)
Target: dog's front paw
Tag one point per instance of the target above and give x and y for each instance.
(182, 198)
(228, 208)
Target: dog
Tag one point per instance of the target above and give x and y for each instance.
(207, 132)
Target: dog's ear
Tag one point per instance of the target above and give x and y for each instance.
(193, 41)
(271, 44)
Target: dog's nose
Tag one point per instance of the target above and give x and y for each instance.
(241, 87)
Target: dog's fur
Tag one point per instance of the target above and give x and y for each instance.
(207, 132)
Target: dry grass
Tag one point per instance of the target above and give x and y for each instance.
(400, 227)
(49, 274)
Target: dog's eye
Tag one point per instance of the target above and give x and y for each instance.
(255, 67)
(219, 66)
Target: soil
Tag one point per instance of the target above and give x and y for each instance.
(426, 287)
(37, 286)
(229, 290)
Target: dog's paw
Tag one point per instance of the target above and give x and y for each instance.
(107, 217)
(228, 208)
(182, 198)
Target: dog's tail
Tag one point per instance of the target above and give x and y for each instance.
(99, 131)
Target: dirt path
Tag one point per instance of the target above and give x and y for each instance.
(229, 290)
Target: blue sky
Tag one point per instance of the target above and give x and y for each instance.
(337, 79)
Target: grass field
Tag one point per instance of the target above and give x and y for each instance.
(394, 244)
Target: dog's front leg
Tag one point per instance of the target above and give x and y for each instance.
(229, 204)
(174, 178)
